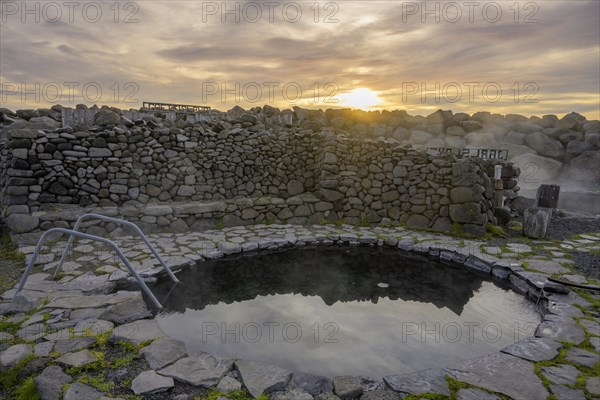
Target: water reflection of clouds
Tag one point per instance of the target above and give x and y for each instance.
(370, 337)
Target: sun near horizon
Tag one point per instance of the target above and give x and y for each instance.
(361, 98)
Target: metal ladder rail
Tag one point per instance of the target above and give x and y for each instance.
(116, 221)
(72, 233)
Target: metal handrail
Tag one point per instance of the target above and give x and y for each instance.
(72, 233)
(116, 221)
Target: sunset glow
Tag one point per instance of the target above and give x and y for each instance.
(378, 55)
(361, 98)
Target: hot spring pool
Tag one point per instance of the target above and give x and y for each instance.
(342, 311)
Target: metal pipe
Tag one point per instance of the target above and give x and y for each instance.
(596, 288)
(72, 233)
(116, 221)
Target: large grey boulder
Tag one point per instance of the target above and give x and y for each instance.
(526, 127)
(586, 167)
(593, 138)
(401, 134)
(576, 148)
(513, 137)
(455, 142)
(347, 387)
(515, 150)
(465, 194)
(312, 384)
(455, 130)
(467, 213)
(537, 141)
(482, 139)
(22, 223)
(471, 126)
(435, 143)
(553, 150)
(570, 136)
(106, 117)
(536, 169)
(418, 137)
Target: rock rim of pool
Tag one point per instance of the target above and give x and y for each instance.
(509, 372)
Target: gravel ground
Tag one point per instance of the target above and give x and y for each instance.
(587, 264)
(563, 226)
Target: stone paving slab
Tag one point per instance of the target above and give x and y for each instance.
(420, 382)
(565, 393)
(79, 391)
(137, 332)
(199, 370)
(259, 378)
(50, 382)
(534, 349)
(582, 357)
(561, 328)
(563, 374)
(501, 373)
(15, 353)
(149, 382)
(77, 359)
(475, 394)
(163, 352)
(92, 301)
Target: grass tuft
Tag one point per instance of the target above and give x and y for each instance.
(27, 390)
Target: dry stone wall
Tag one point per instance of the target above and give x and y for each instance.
(177, 175)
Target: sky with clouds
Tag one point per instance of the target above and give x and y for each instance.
(535, 57)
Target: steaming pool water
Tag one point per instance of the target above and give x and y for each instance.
(342, 311)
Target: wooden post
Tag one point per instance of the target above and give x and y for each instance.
(498, 186)
(547, 196)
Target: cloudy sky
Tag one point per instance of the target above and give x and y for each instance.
(535, 57)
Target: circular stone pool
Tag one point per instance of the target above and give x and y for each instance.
(342, 311)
